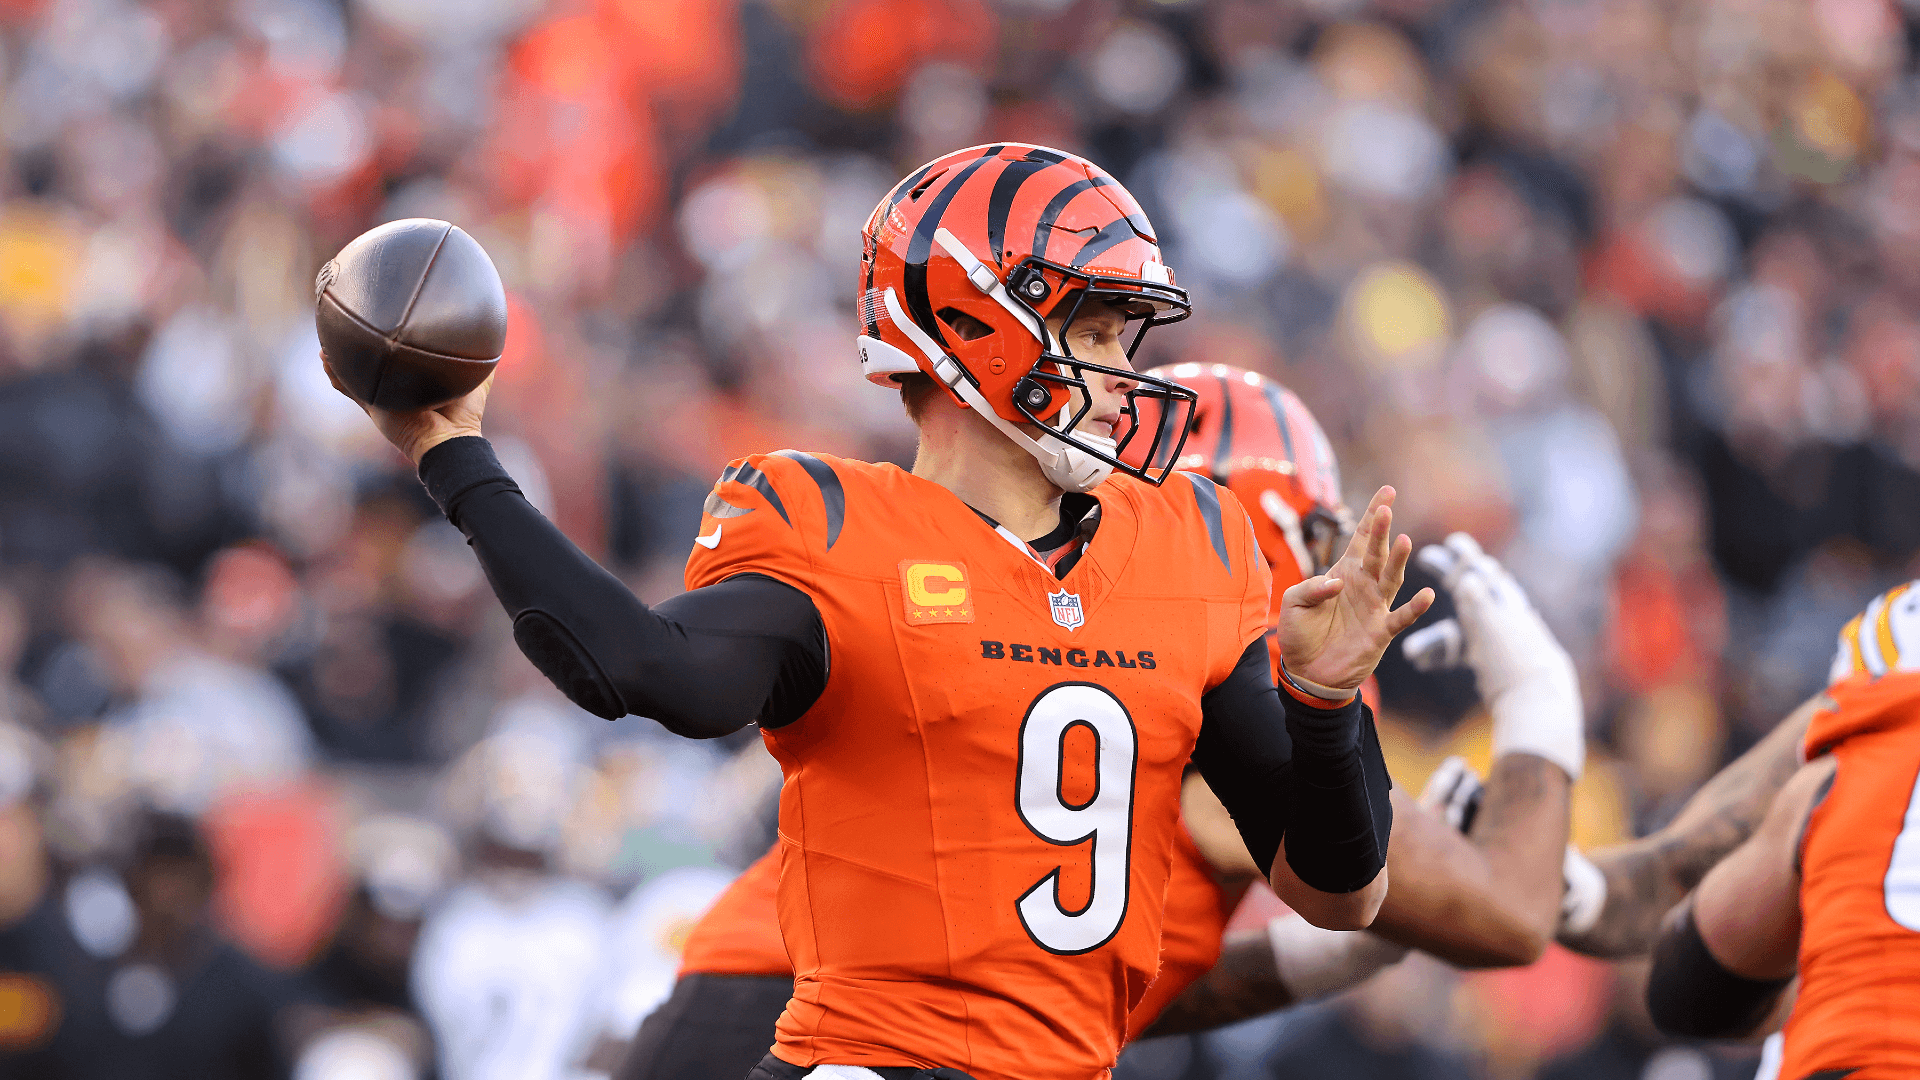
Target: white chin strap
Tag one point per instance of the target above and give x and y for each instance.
(1066, 467)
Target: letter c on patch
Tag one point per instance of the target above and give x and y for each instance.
(936, 584)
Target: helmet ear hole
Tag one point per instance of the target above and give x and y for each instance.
(965, 326)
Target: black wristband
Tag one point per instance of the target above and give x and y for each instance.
(456, 467)
(1341, 815)
(1323, 738)
(1692, 995)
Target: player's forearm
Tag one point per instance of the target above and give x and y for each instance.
(1244, 983)
(1341, 816)
(1521, 830)
(1292, 962)
(1445, 900)
(1317, 778)
(702, 664)
(1647, 877)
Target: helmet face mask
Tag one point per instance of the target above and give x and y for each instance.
(1012, 235)
(1046, 397)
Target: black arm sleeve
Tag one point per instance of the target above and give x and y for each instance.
(1691, 995)
(704, 663)
(1313, 776)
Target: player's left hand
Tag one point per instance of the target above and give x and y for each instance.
(1334, 627)
(415, 433)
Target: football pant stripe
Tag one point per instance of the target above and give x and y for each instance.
(1208, 497)
(757, 480)
(831, 493)
(1870, 659)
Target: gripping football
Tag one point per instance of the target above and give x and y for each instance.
(411, 314)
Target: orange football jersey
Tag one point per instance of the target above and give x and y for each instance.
(980, 811)
(1859, 1002)
(1190, 933)
(740, 933)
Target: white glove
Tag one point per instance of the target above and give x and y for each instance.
(1525, 677)
(1454, 792)
(1314, 963)
(1773, 1054)
(1585, 893)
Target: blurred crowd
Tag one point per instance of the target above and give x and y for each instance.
(1628, 289)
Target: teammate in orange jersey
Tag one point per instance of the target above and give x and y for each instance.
(984, 678)
(1489, 905)
(1828, 887)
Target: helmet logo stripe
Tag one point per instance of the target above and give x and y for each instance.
(922, 244)
(1005, 187)
(1113, 233)
(919, 305)
(1222, 454)
(1044, 230)
(1279, 407)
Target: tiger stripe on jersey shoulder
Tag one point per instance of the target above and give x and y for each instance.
(832, 495)
(1207, 496)
(761, 477)
(744, 473)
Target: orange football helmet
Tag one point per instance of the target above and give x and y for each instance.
(1011, 234)
(1256, 438)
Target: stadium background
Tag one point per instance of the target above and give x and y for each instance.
(1629, 289)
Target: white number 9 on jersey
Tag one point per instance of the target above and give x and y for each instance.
(1105, 820)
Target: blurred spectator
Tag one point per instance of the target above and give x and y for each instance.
(1631, 291)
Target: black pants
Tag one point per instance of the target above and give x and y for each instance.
(713, 1027)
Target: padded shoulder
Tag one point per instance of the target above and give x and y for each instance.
(1198, 516)
(774, 514)
(1862, 704)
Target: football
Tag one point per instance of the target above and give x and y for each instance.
(411, 314)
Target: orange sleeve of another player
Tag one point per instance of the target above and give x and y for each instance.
(758, 520)
(1195, 922)
(740, 933)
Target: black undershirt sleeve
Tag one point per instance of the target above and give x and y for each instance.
(1691, 995)
(1283, 769)
(703, 664)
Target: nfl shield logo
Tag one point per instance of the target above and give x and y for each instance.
(1066, 609)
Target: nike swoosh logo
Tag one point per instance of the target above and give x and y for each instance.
(710, 542)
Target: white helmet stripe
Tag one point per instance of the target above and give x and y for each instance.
(1067, 467)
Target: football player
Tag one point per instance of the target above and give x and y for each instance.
(1827, 887)
(1491, 905)
(982, 678)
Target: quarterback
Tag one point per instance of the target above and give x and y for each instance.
(1488, 902)
(983, 679)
